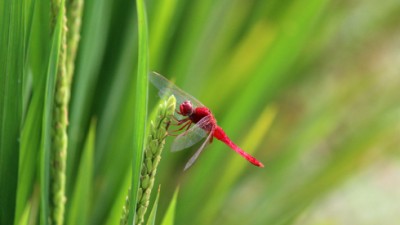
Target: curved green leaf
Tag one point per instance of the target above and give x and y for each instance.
(169, 217)
(15, 20)
(153, 212)
(82, 194)
(140, 116)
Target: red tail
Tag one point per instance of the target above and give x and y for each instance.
(220, 135)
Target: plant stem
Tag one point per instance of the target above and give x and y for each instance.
(60, 121)
(152, 155)
(74, 15)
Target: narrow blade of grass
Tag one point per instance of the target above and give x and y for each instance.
(159, 29)
(81, 198)
(31, 211)
(30, 145)
(47, 120)
(153, 212)
(140, 116)
(191, 36)
(169, 216)
(12, 62)
(120, 201)
(25, 215)
(30, 137)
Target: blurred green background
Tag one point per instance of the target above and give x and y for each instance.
(310, 88)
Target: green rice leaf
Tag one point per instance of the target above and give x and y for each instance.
(153, 212)
(30, 146)
(14, 35)
(25, 215)
(34, 83)
(31, 211)
(159, 29)
(140, 117)
(82, 194)
(169, 217)
(120, 202)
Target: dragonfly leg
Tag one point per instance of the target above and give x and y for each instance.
(186, 125)
(175, 119)
(212, 136)
(179, 122)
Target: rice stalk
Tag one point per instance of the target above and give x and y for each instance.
(152, 156)
(59, 124)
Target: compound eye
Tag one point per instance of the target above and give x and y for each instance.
(186, 108)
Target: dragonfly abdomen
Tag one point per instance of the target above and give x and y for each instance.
(220, 135)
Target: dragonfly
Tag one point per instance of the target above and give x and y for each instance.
(196, 122)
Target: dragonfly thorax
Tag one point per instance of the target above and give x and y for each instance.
(186, 108)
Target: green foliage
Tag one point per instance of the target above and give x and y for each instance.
(13, 52)
(30, 135)
(140, 115)
(46, 133)
(169, 217)
(309, 87)
(153, 213)
(80, 201)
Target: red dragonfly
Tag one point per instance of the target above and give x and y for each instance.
(198, 121)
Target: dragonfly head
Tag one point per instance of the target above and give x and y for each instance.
(186, 108)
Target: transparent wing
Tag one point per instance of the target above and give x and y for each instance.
(193, 135)
(166, 87)
(196, 155)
